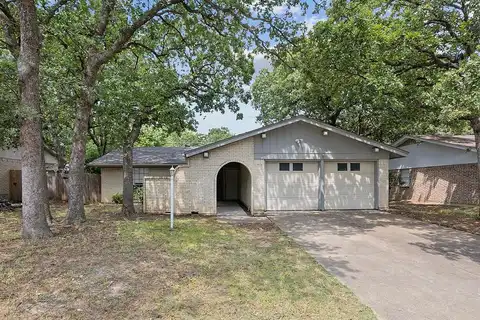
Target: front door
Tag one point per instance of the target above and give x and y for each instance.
(230, 184)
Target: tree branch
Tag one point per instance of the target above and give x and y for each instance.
(52, 10)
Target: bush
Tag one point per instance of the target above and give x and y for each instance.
(138, 194)
(117, 198)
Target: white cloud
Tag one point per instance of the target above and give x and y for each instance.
(261, 62)
(280, 9)
(312, 21)
(296, 10)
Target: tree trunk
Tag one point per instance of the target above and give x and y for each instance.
(76, 175)
(34, 193)
(48, 213)
(475, 124)
(128, 209)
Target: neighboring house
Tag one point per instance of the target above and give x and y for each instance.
(439, 169)
(11, 160)
(296, 164)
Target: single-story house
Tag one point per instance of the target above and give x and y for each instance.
(295, 164)
(439, 169)
(10, 165)
(147, 162)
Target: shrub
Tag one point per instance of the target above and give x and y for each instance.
(117, 198)
(138, 194)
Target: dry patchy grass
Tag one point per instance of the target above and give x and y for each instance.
(460, 217)
(111, 268)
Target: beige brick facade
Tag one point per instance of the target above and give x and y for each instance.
(195, 183)
(440, 185)
(156, 196)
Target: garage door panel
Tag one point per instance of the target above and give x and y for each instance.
(292, 190)
(347, 202)
(349, 189)
(292, 204)
(288, 177)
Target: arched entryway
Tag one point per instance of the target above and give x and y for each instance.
(233, 188)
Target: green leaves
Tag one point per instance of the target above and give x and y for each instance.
(381, 69)
(152, 136)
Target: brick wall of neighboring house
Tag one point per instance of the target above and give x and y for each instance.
(442, 185)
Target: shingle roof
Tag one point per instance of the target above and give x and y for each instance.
(455, 141)
(144, 156)
(462, 140)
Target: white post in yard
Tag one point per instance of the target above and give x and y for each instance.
(172, 197)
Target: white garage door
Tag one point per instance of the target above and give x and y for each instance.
(349, 185)
(292, 185)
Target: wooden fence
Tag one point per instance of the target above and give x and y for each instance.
(57, 186)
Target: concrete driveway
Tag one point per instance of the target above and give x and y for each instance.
(402, 268)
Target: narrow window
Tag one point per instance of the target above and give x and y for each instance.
(283, 166)
(297, 166)
(405, 177)
(355, 166)
(138, 174)
(342, 166)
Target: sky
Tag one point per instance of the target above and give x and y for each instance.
(228, 119)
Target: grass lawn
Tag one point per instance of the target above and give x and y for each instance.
(460, 217)
(113, 268)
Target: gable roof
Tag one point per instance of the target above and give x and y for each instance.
(463, 142)
(395, 152)
(144, 156)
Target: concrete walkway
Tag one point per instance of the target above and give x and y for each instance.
(402, 268)
(230, 211)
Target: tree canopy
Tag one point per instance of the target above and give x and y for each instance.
(372, 67)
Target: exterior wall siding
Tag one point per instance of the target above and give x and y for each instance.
(112, 180)
(453, 184)
(11, 159)
(427, 154)
(7, 164)
(111, 183)
(303, 141)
